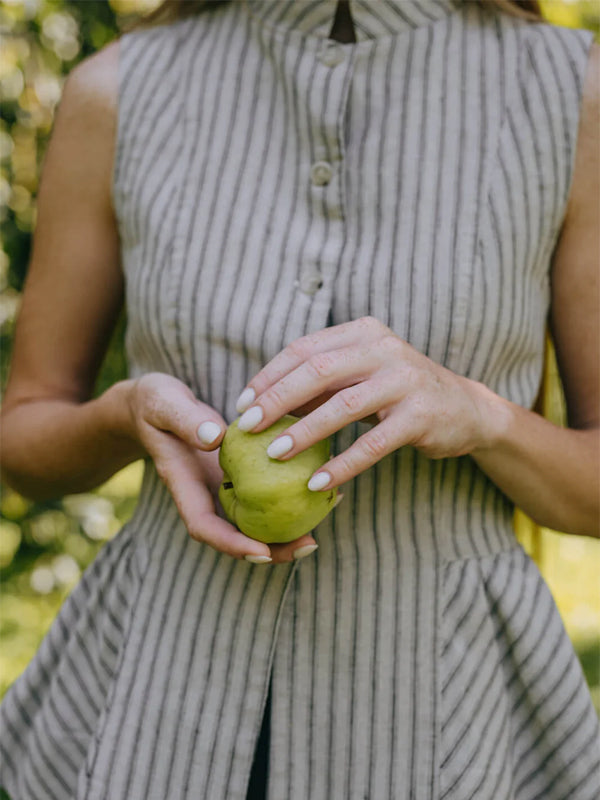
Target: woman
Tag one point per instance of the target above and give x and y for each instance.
(370, 232)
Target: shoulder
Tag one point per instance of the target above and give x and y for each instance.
(95, 78)
(561, 48)
(92, 87)
(90, 92)
(558, 91)
(81, 148)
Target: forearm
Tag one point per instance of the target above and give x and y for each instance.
(55, 447)
(551, 473)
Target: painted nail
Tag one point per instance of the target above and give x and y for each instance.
(208, 432)
(250, 418)
(301, 552)
(319, 481)
(245, 400)
(258, 559)
(280, 446)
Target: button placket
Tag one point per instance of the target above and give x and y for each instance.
(325, 173)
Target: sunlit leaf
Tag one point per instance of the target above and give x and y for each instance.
(10, 539)
(13, 506)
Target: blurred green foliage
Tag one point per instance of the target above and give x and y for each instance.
(45, 546)
(42, 40)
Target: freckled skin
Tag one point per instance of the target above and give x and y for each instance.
(267, 499)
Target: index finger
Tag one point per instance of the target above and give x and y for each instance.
(347, 333)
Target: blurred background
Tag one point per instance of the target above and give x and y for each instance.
(44, 547)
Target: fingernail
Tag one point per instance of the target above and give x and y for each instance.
(301, 552)
(245, 400)
(250, 418)
(208, 432)
(319, 481)
(258, 559)
(338, 499)
(280, 446)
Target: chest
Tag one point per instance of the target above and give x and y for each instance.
(299, 191)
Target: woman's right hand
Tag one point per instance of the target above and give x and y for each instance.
(168, 422)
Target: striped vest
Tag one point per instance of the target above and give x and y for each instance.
(269, 182)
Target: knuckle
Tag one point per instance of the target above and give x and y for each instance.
(144, 382)
(424, 414)
(311, 340)
(390, 343)
(298, 349)
(341, 467)
(375, 444)
(302, 430)
(150, 399)
(427, 444)
(321, 365)
(309, 429)
(155, 409)
(345, 465)
(148, 385)
(370, 323)
(196, 532)
(273, 398)
(415, 405)
(350, 401)
(408, 374)
(419, 418)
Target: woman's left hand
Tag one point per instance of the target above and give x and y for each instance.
(355, 370)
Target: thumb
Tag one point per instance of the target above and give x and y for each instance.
(210, 432)
(194, 422)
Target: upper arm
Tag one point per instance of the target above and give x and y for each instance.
(575, 309)
(74, 287)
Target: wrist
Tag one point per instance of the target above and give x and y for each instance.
(119, 417)
(496, 419)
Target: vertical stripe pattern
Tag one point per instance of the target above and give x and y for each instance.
(418, 653)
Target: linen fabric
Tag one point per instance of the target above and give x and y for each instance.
(269, 182)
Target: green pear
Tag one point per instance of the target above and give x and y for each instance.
(268, 499)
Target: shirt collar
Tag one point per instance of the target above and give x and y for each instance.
(372, 18)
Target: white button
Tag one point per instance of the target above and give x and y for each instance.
(332, 54)
(321, 173)
(311, 282)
